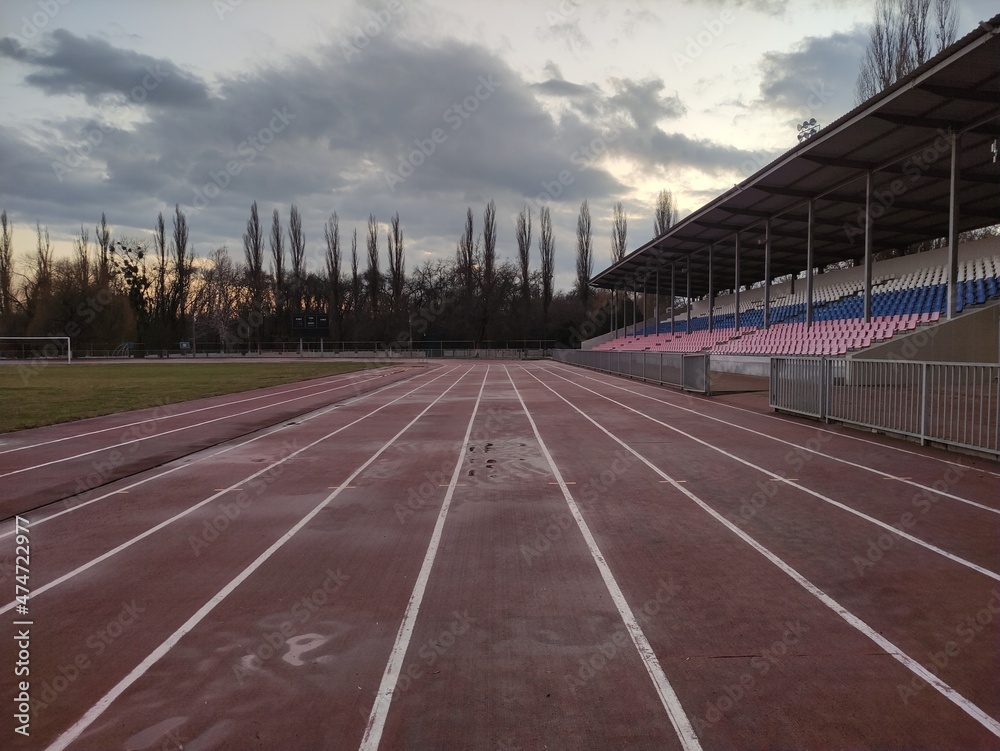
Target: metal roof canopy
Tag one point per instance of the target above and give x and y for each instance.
(902, 138)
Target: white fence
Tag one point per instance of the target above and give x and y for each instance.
(951, 403)
(691, 372)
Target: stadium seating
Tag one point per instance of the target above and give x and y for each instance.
(899, 304)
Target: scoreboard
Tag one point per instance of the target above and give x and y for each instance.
(314, 323)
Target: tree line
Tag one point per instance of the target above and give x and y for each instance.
(152, 290)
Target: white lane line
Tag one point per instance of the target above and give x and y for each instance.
(383, 697)
(860, 514)
(672, 705)
(128, 543)
(139, 670)
(318, 383)
(846, 435)
(880, 473)
(268, 432)
(168, 432)
(912, 665)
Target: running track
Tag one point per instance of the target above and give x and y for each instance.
(504, 556)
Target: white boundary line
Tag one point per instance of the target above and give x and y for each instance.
(847, 435)
(383, 697)
(322, 381)
(672, 705)
(137, 672)
(168, 432)
(912, 665)
(879, 472)
(267, 432)
(816, 494)
(128, 543)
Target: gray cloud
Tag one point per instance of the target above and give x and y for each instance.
(68, 64)
(454, 123)
(816, 78)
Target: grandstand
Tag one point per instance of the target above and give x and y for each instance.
(914, 165)
(779, 276)
(907, 293)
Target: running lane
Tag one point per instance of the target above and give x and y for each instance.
(195, 621)
(45, 465)
(770, 662)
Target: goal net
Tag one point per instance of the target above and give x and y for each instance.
(57, 348)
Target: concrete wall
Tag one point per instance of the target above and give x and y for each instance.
(971, 337)
(744, 364)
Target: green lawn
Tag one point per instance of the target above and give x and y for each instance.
(31, 396)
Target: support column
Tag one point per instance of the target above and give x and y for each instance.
(953, 217)
(767, 274)
(688, 298)
(656, 302)
(869, 241)
(635, 309)
(613, 329)
(673, 295)
(809, 267)
(711, 288)
(736, 290)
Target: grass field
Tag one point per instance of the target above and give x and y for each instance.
(32, 397)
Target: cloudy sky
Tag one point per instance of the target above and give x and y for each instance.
(425, 107)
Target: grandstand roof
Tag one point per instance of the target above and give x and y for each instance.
(902, 135)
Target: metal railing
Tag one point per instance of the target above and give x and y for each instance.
(690, 372)
(952, 403)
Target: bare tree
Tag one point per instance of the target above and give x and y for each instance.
(6, 267)
(297, 249)
(547, 250)
(666, 214)
(374, 274)
(331, 233)
(467, 252)
(904, 34)
(524, 251)
(103, 237)
(160, 272)
(488, 266)
(619, 233)
(355, 279)
(81, 265)
(584, 253)
(397, 263)
(253, 250)
(183, 263)
(945, 23)
(278, 262)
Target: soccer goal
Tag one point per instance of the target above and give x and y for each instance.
(36, 348)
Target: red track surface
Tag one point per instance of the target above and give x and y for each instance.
(509, 557)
